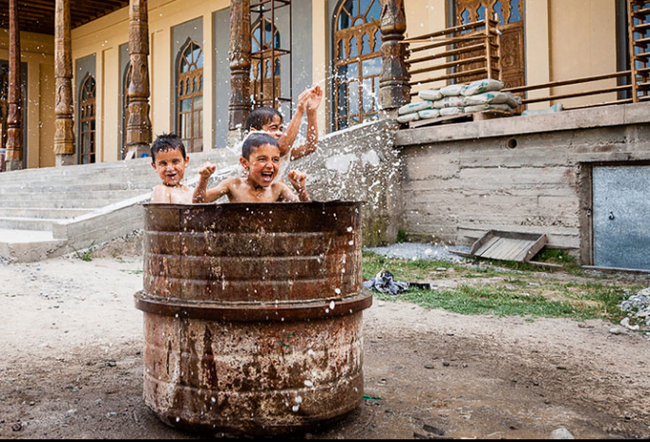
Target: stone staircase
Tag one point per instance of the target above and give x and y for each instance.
(53, 211)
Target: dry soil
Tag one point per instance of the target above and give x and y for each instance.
(71, 366)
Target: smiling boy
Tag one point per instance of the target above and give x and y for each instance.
(261, 161)
(169, 160)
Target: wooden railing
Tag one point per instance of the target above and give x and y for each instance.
(462, 53)
(553, 95)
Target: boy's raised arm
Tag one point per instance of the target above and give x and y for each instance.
(312, 102)
(289, 136)
(201, 194)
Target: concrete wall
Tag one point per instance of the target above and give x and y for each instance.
(359, 164)
(524, 174)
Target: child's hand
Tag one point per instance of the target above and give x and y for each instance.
(206, 170)
(303, 99)
(315, 97)
(298, 180)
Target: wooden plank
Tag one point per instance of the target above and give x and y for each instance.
(496, 250)
(450, 76)
(448, 31)
(448, 65)
(616, 270)
(566, 82)
(578, 94)
(481, 241)
(483, 251)
(446, 54)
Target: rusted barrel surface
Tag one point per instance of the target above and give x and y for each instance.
(253, 315)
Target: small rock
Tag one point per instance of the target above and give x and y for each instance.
(433, 430)
(561, 367)
(17, 426)
(615, 331)
(561, 433)
(429, 366)
(446, 364)
(111, 363)
(32, 403)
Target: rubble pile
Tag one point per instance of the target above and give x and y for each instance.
(638, 306)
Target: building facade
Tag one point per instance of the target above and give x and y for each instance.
(334, 43)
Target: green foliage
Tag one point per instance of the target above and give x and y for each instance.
(402, 236)
(87, 255)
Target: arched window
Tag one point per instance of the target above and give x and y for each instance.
(126, 80)
(190, 97)
(357, 52)
(87, 121)
(265, 73)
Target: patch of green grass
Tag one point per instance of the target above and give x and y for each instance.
(87, 255)
(133, 272)
(554, 256)
(402, 236)
(490, 300)
(402, 269)
(514, 292)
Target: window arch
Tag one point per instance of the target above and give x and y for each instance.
(189, 76)
(357, 64)
(87, 152)
(126, 80)
(265, 73)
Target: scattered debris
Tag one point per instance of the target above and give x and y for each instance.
(17, 427)
(385, 283)
(638, 307)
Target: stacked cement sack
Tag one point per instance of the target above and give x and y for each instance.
(480, 96)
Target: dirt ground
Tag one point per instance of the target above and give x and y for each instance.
(71, 366)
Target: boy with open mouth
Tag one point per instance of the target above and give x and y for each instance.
(261, 160)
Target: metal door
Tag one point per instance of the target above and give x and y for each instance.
(621, 216)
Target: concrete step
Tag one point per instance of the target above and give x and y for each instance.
(41, 212)
(27, 245)
(74, 195)
(51, 188)
(22, 223)
(61, 204)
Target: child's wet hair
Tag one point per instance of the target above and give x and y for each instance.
(260, 117)
(167, 142)
(255, 140)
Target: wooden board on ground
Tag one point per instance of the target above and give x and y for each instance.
(475, 116)
(508, 246)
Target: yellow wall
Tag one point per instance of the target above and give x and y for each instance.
(38, 52)
(583, 43)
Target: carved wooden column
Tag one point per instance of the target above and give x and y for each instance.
(14, 154)
(240, 68)
(138, 127)
(394, 89)
(64, 106)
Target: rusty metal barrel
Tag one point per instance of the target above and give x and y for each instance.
(253, 315)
